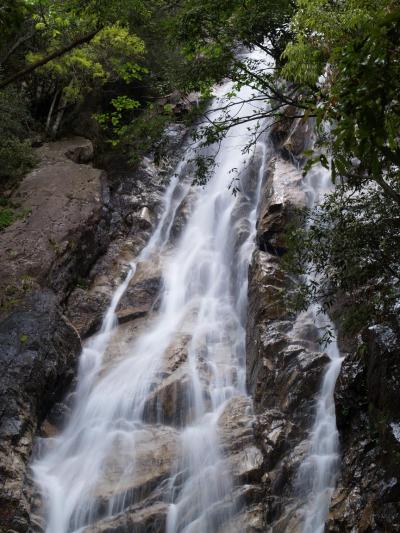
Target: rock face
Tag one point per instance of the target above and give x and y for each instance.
(284, 370)
(367, 399)
(81, 232)
(65, 228)
(292, 136)
(284, 361)
(64, 231)
(38, 355)
(64, 258)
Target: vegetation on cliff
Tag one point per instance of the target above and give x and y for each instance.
(347, 54)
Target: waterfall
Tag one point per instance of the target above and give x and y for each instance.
(204, 295)
(317, 473)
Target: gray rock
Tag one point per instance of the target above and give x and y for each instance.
(284, 361)
(37, 360)
(150, 519)
(367, 398)
(65, 227)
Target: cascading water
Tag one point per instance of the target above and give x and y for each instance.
(317, 474)
(204, 293)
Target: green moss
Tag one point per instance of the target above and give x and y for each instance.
(10, 212)
(7, 217)
(23, 339)
(9, 304)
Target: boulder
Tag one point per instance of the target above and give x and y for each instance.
(65, 225)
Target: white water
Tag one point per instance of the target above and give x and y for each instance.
(317, 474)
(205, 292)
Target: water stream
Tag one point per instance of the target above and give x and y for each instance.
(318, 472)
(203, 299)
(204, 294)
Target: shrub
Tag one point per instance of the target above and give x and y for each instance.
(16, 154)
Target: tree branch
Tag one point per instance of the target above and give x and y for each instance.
(16, 45)
(392, 193)
(58, 53)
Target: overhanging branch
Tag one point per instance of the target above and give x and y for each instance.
(58, 53)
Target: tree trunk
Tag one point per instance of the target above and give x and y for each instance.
(60, 113)
(51, 110)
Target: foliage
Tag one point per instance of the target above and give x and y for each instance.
(163, 45)
(347, 53)
(337, 61)
(350, 249)
(209, 29)
(111, 55)
(136, 132)
(13, 14)
(16, 154)
(344, 60)
(114, 119)
(10, 212)
(108, 55)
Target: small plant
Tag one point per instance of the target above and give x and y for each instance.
(82, 283)
(10, 212)
(55, 245)
(23, 339)
(7, 217)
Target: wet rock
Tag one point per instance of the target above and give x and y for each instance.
(87, 303)
(247, 464)
(251, 517)
(143, 290)
(86, 310)
(150, 519)
(367, 395)
(39, 353)
(156, 448)
(285, 364)
(292, 135)
(282, 197)
(236, 424)
(171, 400)
(145, 214)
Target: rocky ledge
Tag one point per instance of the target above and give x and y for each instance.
(38, 356)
